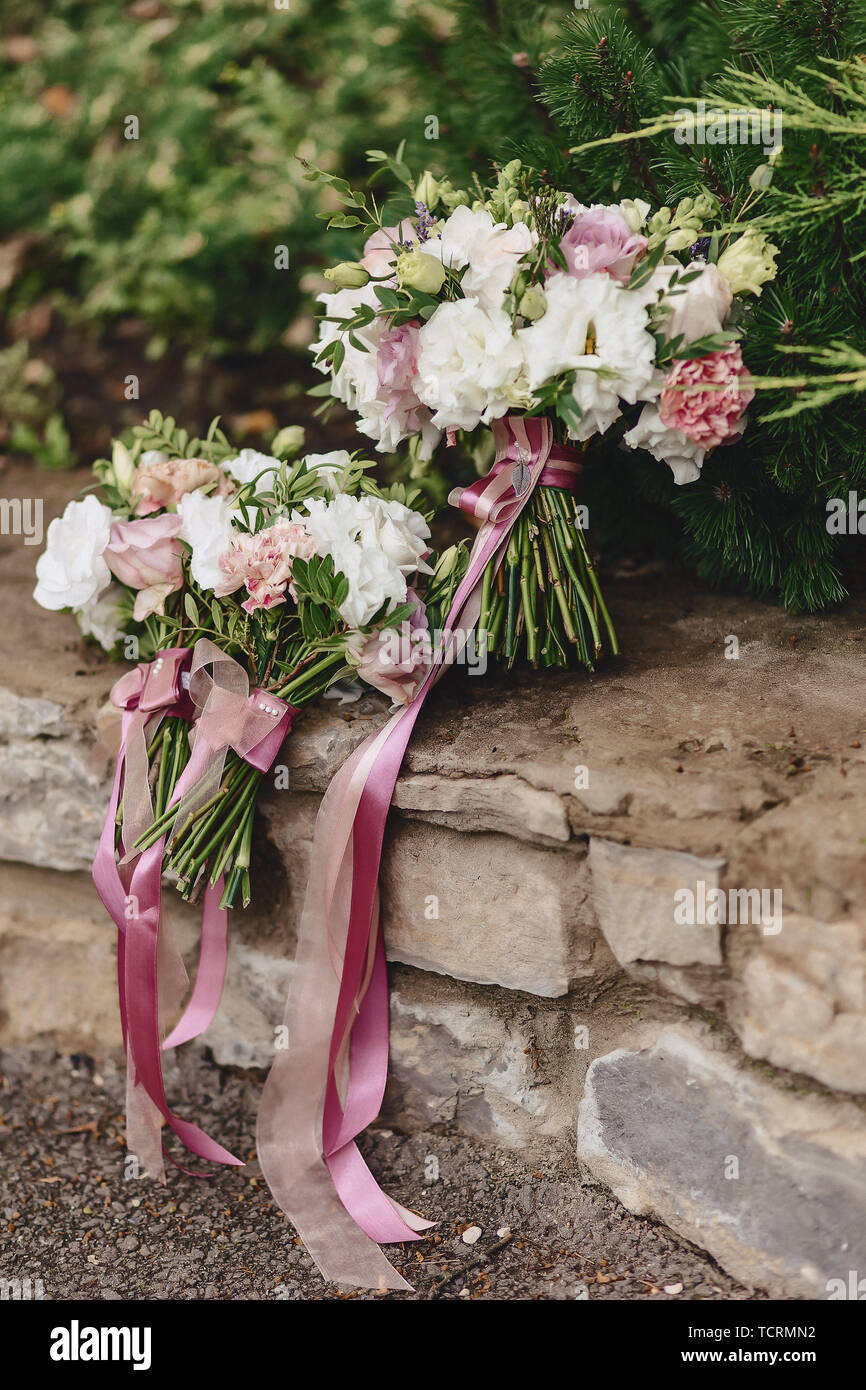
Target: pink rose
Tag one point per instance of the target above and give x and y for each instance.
(145, 555)
(163, 482)
(263, 563)
(396, 661)
(600, 239)
(379, 254)
(705, 397)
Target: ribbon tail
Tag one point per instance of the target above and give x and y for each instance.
(210, 976)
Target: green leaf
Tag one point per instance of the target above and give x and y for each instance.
(191, 609)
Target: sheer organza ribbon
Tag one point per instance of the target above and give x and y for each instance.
(327, 1086)
(226, 715)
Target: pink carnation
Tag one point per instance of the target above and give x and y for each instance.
(263, 563)
(705, 397)
(600, 239)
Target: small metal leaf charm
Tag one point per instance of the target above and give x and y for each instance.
(520, 478)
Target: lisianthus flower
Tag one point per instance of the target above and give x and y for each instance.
(682, 455)
(600, 239)
(706, 397)
(146, 555)
(489, 251)
(249, 464)
(395, 661)
(207, 529)
(470, 364)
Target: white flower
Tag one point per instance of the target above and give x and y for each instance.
(100, 617)
(698, 308)
(357, 380)
(490, 251)
(207, 530)
(249, 464)
(373, 580)
(470, 365)
(332, 468)
(683, 456)
(71, 571)
(598, 313)
(375, 543)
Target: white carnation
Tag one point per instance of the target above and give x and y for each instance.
(100, 617)
(490, 252)
(683, 456)
(249, 464)
(470, 365)
(71, 571)
(207, 530)
(597, 312)
(375, 543)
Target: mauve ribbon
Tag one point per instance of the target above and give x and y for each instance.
(133, 897)
(327, 1086)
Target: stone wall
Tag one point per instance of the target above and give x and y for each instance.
(543, 990)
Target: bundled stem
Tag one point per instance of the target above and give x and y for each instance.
(546, 603)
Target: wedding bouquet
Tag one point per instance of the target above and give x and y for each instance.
(287, 575)
(493, 307)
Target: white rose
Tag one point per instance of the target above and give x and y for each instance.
(599, 313)
(100, 617)
(207, 530)
(491, 252)
(71, 571)
(682, 455)
(249, 464)
(470, 365)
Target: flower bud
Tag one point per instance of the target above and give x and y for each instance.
(680, 239)
(427, 190)
(123, 468)
(533, 304)
(348, 275)
(418, 271)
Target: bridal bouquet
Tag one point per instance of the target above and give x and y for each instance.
(284, 576)
(493, 307)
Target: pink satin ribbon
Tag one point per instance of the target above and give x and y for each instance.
(131, 891)
(328, 1085)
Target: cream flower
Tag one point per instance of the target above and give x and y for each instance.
(100, 617)
(249, 465)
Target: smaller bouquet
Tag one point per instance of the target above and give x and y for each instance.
(230, 572)
(490, 308)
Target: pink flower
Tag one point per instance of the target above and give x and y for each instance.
(397, 365)
(396, 661)
(707, 416)
(601, 239)
(263, 563)
(379, 254)
(146, 556)
(162, 483)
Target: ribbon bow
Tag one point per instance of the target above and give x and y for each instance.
(131, 891)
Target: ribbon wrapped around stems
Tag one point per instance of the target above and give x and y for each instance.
(226, 715)
(328, 1085)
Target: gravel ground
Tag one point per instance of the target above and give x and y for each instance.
(71, 1219)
